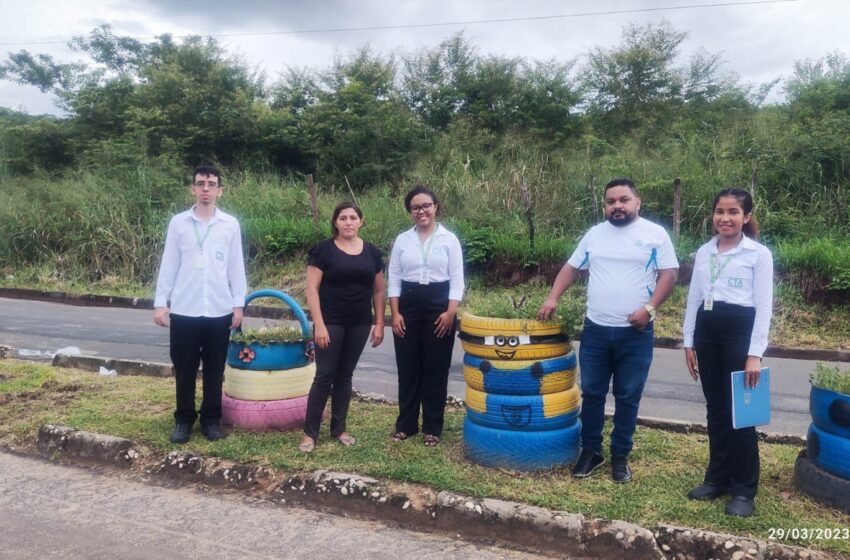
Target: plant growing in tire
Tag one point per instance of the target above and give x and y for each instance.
(823, 468)
(522, 402)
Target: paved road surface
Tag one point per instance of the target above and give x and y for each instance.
(51, 511)
(131, 334)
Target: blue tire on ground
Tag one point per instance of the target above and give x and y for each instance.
(830, 411)
(520, 377)
(829, 452)
(527, 413)
(523, 451)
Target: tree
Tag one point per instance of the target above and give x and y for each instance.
(635, 84)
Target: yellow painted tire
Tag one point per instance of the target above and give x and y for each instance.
(520, 352)
(492, 326)
(530, 413)
(250, 385)
(520, 377)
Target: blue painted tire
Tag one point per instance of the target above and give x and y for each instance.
(523, 451)
(829, 452)
(276, 356)
(520, 377)
(525, 413)
(830, 411)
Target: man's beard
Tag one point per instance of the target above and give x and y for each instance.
(623, 220)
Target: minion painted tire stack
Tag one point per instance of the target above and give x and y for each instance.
(522, 402)
(266, 385)
(823, 469)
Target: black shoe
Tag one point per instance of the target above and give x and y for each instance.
(587, 462)
(740, 506)
(213, 432)
(620, 470)
(707, 491)
(181, 433)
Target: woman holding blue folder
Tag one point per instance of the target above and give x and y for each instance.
(730, 305)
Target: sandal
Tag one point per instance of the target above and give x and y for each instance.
(399, 436)
(431, 440)
(346, 439)
(307, 445)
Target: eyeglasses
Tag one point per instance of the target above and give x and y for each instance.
(421, 208)
(202, 184)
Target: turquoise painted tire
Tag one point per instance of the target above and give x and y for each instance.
(829, 452)
(522, 451)
(525, 413)
(520, 377)
(830, 411)
(275, 356)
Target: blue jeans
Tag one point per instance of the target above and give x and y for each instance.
(624, 353)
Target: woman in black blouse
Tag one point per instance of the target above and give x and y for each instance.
(344, 281)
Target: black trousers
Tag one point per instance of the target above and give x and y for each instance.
(721, 341)
(195, 340)
(422, 358)
(334, 369)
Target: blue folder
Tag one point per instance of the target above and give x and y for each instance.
(750, 407)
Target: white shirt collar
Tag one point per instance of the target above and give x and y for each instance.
(745, 243)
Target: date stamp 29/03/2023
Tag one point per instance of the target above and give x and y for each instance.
(808, 533)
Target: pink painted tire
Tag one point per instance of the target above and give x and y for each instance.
(282, 415)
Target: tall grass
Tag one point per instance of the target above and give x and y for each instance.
(88, 226)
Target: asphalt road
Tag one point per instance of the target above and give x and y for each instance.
(39, 327)
(52, 511)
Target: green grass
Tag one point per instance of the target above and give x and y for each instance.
(268, 335)
(666, 464)
(831, 377)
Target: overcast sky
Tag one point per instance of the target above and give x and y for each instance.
(758, 42)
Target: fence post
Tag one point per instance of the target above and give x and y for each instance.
(677, 206)
(529, 208)
(314, 202)
(754, 182)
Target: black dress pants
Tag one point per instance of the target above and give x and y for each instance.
(334, 370)
(423, 359)
(721, 342)
(195, 340)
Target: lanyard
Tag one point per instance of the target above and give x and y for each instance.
(200, 240)
(716, 268)
(425, 248)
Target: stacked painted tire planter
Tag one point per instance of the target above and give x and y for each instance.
(266, 386)
(521, 398)
(823, 470)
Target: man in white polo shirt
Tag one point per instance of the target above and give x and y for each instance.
(633, 269)
(202, 275)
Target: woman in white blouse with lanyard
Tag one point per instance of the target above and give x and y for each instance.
(425, 288)
(730, 305)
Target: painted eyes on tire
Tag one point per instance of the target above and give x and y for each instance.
(511, 341)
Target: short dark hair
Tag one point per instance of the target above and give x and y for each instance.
(338, 210)
(621, 182)
(207, 170)
(420, 189)
(745, 199)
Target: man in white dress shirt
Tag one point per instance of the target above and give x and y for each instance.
(633, 269)
(201, 288)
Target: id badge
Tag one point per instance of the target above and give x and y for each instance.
(199, 261)
(423, 277)
(708, 304)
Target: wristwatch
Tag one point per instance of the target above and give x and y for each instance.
(651, 310)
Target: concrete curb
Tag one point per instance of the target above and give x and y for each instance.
(418, 507)
(92, 300)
